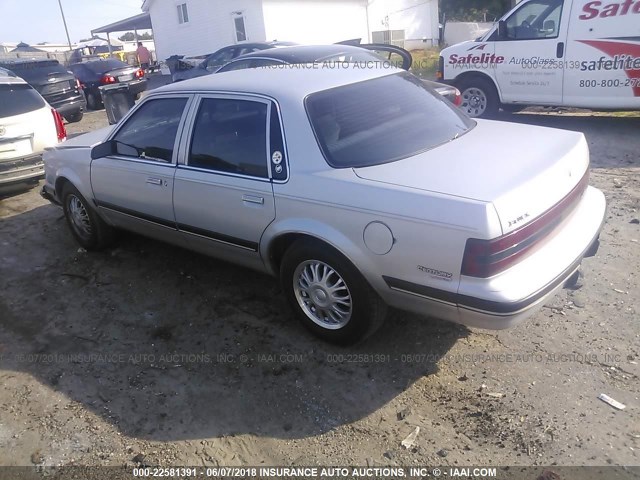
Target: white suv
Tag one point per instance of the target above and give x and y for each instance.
(28, 125)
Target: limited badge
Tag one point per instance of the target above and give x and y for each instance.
(277, 157)
(279, 168)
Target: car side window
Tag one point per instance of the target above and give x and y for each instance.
(215, 61)
(230, 136)
(536, 19)
(150, 133)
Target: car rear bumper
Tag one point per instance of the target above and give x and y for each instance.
(70, 106)
(49, 193)
(137, 87)
(516, 294)
(21, 170)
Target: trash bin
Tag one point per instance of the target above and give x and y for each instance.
(117, 100)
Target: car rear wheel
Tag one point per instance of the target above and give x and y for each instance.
(91, 232)
(328, 294)
(75, 117)
(479, 97)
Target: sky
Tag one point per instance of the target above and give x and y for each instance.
(35, 21)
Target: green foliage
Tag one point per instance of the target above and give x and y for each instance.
(130, 37)
(473, 10)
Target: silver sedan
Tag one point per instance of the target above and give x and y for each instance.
(358, 187)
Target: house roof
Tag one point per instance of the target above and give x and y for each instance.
(141, 21)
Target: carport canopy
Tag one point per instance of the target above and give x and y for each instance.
(138, 22)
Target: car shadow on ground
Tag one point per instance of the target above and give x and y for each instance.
(166, 344)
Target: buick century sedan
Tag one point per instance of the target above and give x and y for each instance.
(360, 188)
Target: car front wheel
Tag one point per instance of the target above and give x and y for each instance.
(91, 232)
(328, 294)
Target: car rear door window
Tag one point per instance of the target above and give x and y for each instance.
(17, 99)
(150, 133)
(230, 136)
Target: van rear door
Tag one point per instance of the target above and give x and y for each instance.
(532, 46)
(603, 55)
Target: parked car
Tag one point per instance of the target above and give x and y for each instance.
(97, 73)
(341, 52)
(558, 53)
(6, 73)
(28, 125)
(215, 60)
(54, 82)
(357, 187)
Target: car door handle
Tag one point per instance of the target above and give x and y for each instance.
(154, 181)
(252, 199)
(560, 50)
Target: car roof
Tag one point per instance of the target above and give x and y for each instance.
(293, 81)
(20, 62)
(304, 53)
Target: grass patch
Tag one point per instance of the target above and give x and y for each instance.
(425, 62)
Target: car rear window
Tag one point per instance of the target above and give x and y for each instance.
(382, 120)
(105, 65)
(18, 99)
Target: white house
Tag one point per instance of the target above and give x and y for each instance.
(197, 27)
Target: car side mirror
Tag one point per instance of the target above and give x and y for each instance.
(502, 29)
(103, 150)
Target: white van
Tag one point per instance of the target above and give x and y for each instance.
(571, 53)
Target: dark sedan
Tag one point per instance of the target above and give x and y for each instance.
(98, 73)
(342, 53)
(215, 60)
(54, 82)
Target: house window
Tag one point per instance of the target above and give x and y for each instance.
(183, 14)
(241, 32)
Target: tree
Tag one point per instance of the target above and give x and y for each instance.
(130, 36)
(473, 10)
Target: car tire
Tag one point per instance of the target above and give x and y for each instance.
(75, 117)
(93, 102)
(479, 97)
(90, 231)
(309, 271)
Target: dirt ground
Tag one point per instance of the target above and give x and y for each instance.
(147, 354)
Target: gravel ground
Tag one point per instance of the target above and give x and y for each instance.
(147, 354)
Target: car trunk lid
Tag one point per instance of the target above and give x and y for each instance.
(521, 169)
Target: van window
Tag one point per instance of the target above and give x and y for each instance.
(536, 19)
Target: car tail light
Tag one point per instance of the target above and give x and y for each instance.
(140, 73)
(486, 258)
(61, 132)
(79, 85)
(457, 100)
(106, 79)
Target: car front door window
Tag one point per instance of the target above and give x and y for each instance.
(150, 133)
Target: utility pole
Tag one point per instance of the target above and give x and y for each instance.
(65, 24)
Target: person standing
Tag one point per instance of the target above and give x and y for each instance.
(144, 57)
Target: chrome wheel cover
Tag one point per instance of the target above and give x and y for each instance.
(474, 102)
(322, 294)
(79, 216)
